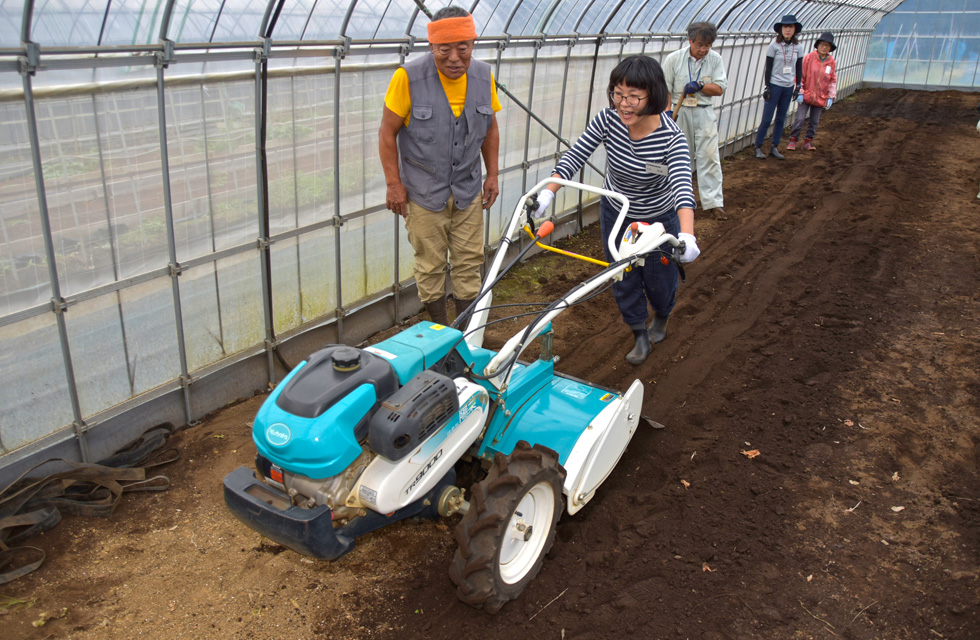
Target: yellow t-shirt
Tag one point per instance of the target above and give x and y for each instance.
(399, 98)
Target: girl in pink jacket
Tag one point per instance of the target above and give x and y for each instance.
(819, 89)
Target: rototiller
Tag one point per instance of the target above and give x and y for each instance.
(357, 438)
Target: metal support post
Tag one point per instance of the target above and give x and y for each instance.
(163, 60)
(339, 54)
(561, 117)
(28, 67)
(262, 185)
(527, 119)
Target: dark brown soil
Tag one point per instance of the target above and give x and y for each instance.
(832, 323)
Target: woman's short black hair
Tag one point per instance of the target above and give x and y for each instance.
(644, 73)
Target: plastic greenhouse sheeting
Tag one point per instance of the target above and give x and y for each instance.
(186, 184)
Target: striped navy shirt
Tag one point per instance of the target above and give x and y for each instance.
(628, 164)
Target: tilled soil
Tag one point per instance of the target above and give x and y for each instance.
(831, 324)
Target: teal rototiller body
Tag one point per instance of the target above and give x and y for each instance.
(357, 438)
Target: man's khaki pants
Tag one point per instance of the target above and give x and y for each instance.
(434, 233)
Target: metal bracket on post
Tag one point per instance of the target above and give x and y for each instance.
(175, 269)
(59, 306)
(263, 244)
(165, 57)
(81, 429)
(405, 48)
(503, 44)
(30, 62)
(270, 348)
(340, 313)
(264, 52)
(342, 49)
(538, 42)
(185, 385)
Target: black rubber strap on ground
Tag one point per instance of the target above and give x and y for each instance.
(15, 558)
(138, 450)
(25, 525)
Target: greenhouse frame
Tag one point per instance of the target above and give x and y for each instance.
(191, 197)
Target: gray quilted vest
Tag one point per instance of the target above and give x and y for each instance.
(439, 153)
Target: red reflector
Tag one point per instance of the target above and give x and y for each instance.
(276, 474)
(664, 260)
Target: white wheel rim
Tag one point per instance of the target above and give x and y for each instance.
(535, 512)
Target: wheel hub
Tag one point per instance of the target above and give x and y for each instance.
(523, 541)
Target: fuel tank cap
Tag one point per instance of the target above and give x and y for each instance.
(346, 359)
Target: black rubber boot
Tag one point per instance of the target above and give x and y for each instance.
(658, 329)
(437, 311)
(759, 153)
(462, 305)
(641, 350)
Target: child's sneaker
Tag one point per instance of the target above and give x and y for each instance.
(792, 145)
(808, 145)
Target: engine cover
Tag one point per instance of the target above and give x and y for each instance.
(329, 376)
(412, 414)
(315, 422)
(386, 486)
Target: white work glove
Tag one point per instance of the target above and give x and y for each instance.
(691, 251)
(830, 101)
(978, 126)
(545, 196)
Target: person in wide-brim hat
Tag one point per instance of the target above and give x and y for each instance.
(787, 20)
(782, 83)
(827, 37)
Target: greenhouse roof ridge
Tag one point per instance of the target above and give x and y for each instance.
(122, 23)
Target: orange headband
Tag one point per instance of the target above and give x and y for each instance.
(452, 30)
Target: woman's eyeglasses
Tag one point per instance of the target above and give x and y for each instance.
(631, 101)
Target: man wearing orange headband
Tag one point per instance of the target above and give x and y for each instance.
(438, 120)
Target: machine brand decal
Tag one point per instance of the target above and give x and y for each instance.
(579, 391)
(381, 352)
(278, 434)
(475, 402)
(607, 397)
(425, 469)
(467, 408)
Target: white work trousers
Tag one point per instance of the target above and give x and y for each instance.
(701, 131)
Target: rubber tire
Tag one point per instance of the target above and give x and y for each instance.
(482, 533)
